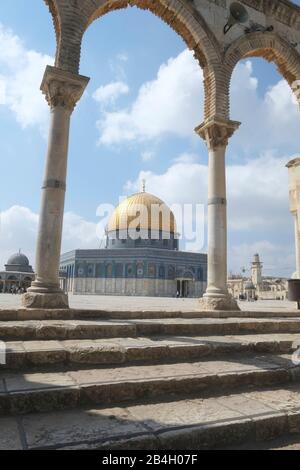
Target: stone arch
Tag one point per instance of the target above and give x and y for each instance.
(56, 23)
(72, 18)
(269, 46)
(188, 274)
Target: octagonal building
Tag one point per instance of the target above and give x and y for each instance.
(141, 257)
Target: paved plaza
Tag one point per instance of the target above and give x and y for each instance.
(95, 302)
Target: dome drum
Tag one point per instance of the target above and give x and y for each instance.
(151, 239)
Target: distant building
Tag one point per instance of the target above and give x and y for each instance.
(258, 287)
(149, 264)
(18, 273)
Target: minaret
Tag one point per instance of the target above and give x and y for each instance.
(143, 186)
(256, 271)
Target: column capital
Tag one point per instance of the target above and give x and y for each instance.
(217, 131)
(62, 88)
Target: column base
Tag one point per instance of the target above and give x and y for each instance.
(57, 300)
(210, 303)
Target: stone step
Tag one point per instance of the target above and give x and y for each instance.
(287, 441)
(93, 329)
(47, 391)
(37, 354)
(188, 424)
(75, 314)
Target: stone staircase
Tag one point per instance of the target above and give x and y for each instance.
(147, 380)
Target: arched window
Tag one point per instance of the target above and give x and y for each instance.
(109, 270)
(151, 270)
(119, 270)
(171, 272)
(140, 269)
(162, 272)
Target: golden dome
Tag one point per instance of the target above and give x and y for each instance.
(146, 210)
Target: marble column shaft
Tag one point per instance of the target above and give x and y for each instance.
(216, 133)
(297, 245)
(62, 90)
(294, 199)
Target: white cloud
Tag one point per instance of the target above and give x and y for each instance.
(172, 185)
(21, 72)
(257, 201)
(258, 193)
(79, 233)
(170, 104)
(19, 226)
(2, 90)
(147, 155)
(108, 94)
(269, 121)
(281, 101)
(186, 158)
(123, 57)
(117, 66)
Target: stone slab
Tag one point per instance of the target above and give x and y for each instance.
(175, 414)
(79, 427)
(33, 346)
(244, 405)
(38, 381)
(9, 434)
(281, 399)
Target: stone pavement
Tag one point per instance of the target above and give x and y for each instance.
(95, 302)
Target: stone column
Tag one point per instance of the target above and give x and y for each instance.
(294, 196)
(216, 133)
(62, 90)
(297, 247)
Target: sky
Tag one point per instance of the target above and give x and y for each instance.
(136, 121)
